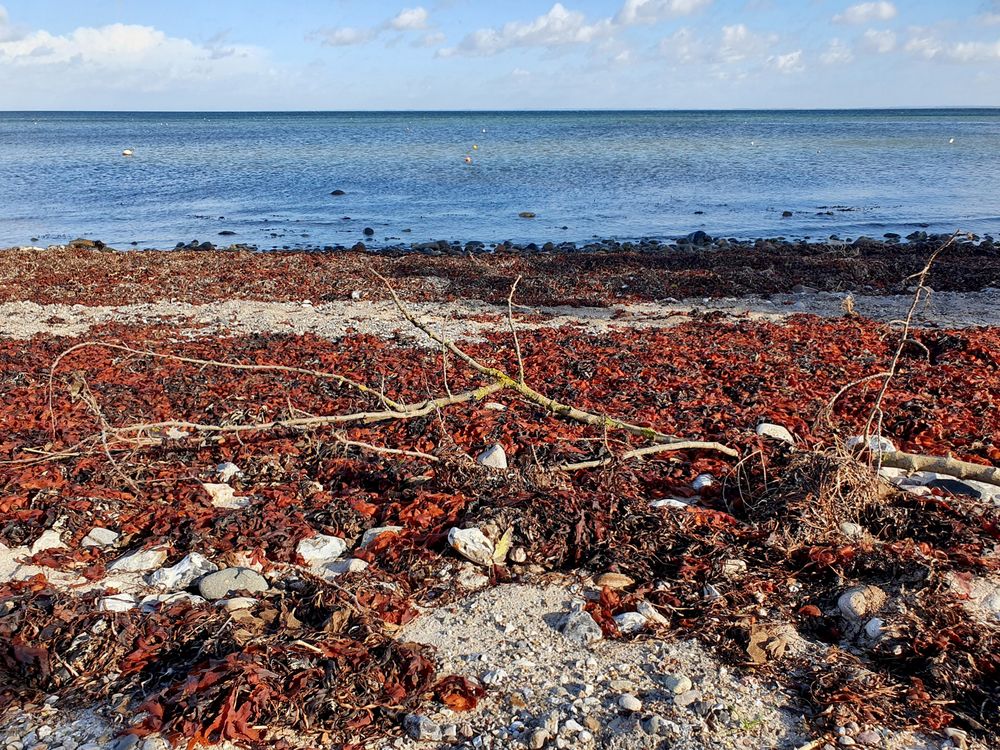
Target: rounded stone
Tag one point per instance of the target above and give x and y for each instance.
(227, 583)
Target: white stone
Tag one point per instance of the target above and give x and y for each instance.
(100, 537)
(651, 613)
(223, 496)
(670, 502)
(236, 603)
(494, 406)
(50, 539)
(580, 627)
(372, 534)
(876, 444)
(339, 567)
(677, 683)
(775, 432)
(321, 549)
(852, 530)
(472, 544)
(153, 601)
(702, 481)
(357, 294)
(855, 603)
(494, 457)
(874, 628)
(116, 603)
(139, 561)
(630, 622)
(734, 568)
(227, 470)
(183, 573)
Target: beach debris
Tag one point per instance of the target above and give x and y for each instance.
(493, 457)
(472, 544)
(614, 581)
(116, 603)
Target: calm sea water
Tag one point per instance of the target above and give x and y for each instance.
(268, 177)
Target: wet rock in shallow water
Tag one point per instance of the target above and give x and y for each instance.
(321, 549)
(580, 627)
(183, 573)
(337, 193)
(775, 432)
(493, 457)
(472, 544)
(421, 729)
(699, 238)
(226, 583)
(100, 537)
(139, 561)
(368, 232)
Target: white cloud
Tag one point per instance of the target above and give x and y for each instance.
(410, 19)
(559, 27)
(345, 36)
(789, 63)
(836, 53)
(881, 42)
(683, 46)
(867, 13)
(929, 47)
(739, 43)
(654, 11)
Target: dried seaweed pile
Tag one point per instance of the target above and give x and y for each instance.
(319, 656)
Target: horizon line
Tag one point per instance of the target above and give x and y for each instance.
(503, 110)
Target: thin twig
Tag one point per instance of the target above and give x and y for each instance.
(513, 331)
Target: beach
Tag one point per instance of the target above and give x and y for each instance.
(226, 471)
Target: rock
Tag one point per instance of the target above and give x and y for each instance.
(852, 530)
(846, 741)
(702, 481)
(518, 555)
(421, 728)
(472, 544)
(116, 603)
(223, 496)
(580, 627)
(677, 683)
(368, 232)
(227, 470)
(874, 628)
(630, 623)
(100, 537)
(337, 192)
(875, 444)
(855, 603)
(237, 603)
(538, 738)
(493, 457)
(614, 581)
(372, 534)
(699, 238)
(775, 432)
(527, 215)
(687, 698)
(670, 502)
(651, 613)
(227, 233)
(786, 214)
(139, 561)
(357, 294)
(155, 743)
(339, 567)
(225, 583)
(49, 539)
(82, 242)
(870, 738)
(184, 573)
(321, 550)
(629, 702)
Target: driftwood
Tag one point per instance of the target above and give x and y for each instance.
(941, 465)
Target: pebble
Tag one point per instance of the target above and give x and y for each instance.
(421, 728)
(846, 741)
(139, 561)
(702, 481)
(775, 432)
(100, 537)
(580, 627)
(472, 544)
(688, 697)
(870, 738)
(629, 702)
(538, 739)
(855, 603)
(372, 534)
(630, 623)
(183, 573)
(223, 496)
(875, 444)
(321, 549)
(224, 583)
(494, 457)
(677, 683)
(116, 603)
(614, 581)
(227, 470)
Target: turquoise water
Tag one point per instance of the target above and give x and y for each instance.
(268, 177)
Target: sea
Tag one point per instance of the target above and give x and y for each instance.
(266, 179)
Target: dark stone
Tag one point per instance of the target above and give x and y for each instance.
(81, 242)
(955, 487)
(527, 215)
(891, 236)
(368, 232)
(699, 213)
(698, 238)
(786, 214)
(338, 192)
(359, 248)
(179, 246)
(206, 246)
(226, 233)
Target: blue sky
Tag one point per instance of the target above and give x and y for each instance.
(467, 54)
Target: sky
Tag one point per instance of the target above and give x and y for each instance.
(483, 54)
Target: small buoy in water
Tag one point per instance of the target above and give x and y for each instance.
(475, 147)
(468, 160)
(127, 152)
(952, 140)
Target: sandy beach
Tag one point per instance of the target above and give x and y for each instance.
(688, 597)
